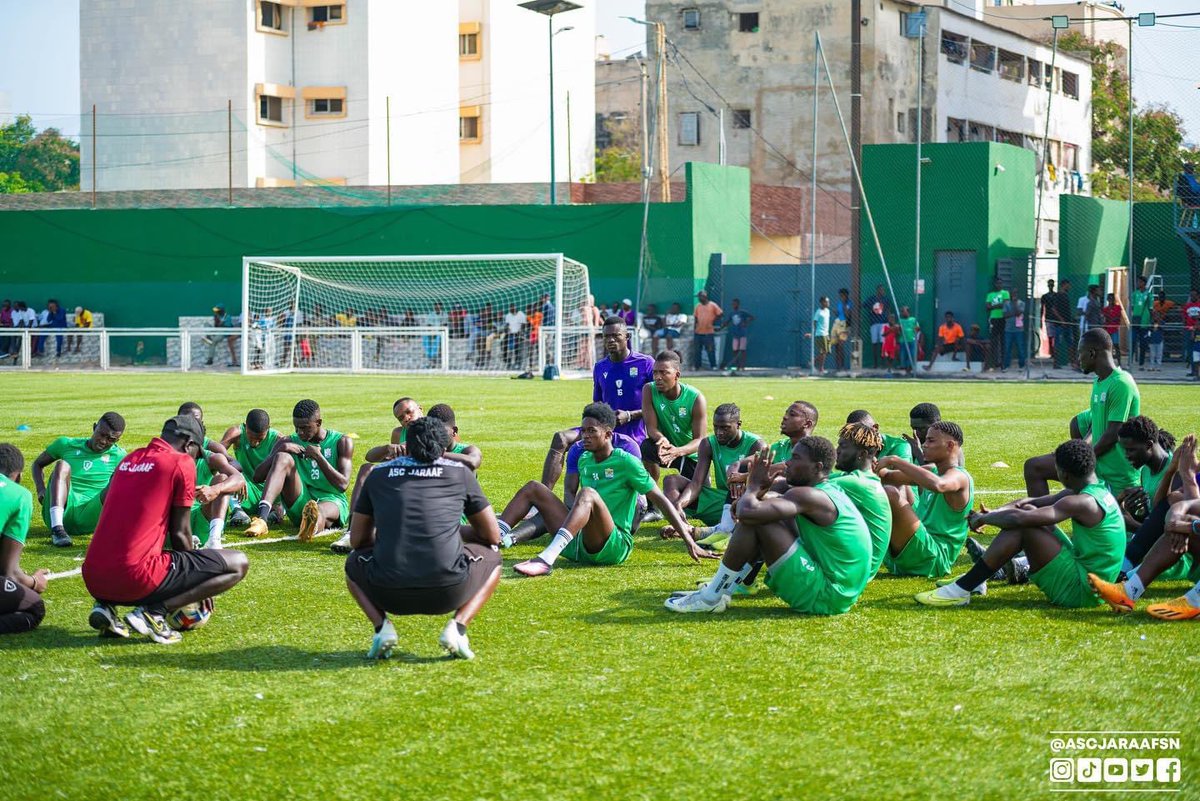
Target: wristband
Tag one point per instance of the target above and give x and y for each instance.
(1196, 526)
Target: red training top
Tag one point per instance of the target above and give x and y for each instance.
(125, 560)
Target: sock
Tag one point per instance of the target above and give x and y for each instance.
(56, 516)
(382, 623)
(1134, 587)
(235, 503)
(1127, 567)
(505, 528)
(264, 510)
(216, 528)
(722, 583)
(561, 540)
(1193, 596)
(954, 590)
(749, 578)
(726, 523)
(462, 627)
(978, 574)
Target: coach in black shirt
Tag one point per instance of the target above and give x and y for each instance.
(411, 556)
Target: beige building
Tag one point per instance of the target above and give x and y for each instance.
(1099, 21)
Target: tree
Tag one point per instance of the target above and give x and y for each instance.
(11, 183)
(38, 162)
(621, 161)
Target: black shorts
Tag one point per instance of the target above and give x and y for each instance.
(189, 569)
(684, 464)
(21, 609)
(482, 560)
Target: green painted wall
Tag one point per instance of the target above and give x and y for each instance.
(966, 204)
(151, 266)
(1093, 236)
(1154, 237)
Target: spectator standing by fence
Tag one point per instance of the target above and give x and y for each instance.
(737, 328)
(877, 318)
(839, 332)
(994, 305)
(221, 320)
(1113, 315)
(81, 319)
(820, 334)
(706, 315)
(53, 316)
(1056, 314)
(1139, 318)
(1191, 326)
(1014, 334)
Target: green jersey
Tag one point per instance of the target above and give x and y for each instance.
(908, 329)
(310, 471)
(619, 479)
(16, 508)
(251, 456)
(459, 447)
(90, 471)
(1083, 421)
(781, 450)
(1114, 400)
(896, 446)
(1139, 300)
(842, 550)
(944, 524)
(865, 490)
(1100, 549)
(204, 473)
(675, 416)
(998, 298)
(1150, 480)
(725, 456)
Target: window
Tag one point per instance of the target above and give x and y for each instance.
(1011, 66)
(689, 128)
(324, 101)
(691, 19)
(1070, 85)
(468, 41)
(270, 109)
(954, 47)
(327, 15)
(956, 130)
(1010, 137)
(1035, 72)
(983, 57)
(270, 97)
(901, 122)
(270, 17)
(742, 118)
(330, 105)
(748, 23)
(1070, 157)
(470, 129)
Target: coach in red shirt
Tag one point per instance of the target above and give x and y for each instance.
(149, 504)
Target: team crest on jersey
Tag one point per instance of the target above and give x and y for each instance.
(633, 371)
(608, 473)
(683, 412)
(327, 453)
(104, 458)
(87, 465)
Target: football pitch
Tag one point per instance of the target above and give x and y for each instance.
(583, 685)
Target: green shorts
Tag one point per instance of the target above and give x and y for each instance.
(307, 494)
(1064, 580)
(616, 550)
(710, 506)
(81, 514)
(1186, 569)
(254, 493)
(796, 579)
(924, 555)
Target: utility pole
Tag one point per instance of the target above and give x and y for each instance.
(664, 154)
(856, 20)
(645, 143)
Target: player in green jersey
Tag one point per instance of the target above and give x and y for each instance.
(597, 528)
(1059, 565)
(310, 471)
(217, 484)
(799, 421)
(928, 532)
(920, 418)
(814, 542)
(193, 408)
(675, 415)
(892, 446)
(71, 503)
(21, 607)
(251, 443)
(857, 448)
(405, 410)
(724, 450)
(1148, 449)
(1114, 399)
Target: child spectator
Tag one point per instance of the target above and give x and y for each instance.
(891, 343)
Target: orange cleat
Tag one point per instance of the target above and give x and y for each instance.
(1112, 594)
(1176, 609)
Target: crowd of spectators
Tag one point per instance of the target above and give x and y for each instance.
(18, 315)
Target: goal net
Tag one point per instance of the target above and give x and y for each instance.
(473, 313)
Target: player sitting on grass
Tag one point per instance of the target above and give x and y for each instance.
(927, 535)
(857, 448)
(597, 528)
(252, 443)
(920, 418)
(1114, 400)
(1059, 565)
(720, 452)
(799, 421)
(193, 408)
(217, 484)
(410, 556)
(814, 542)
(21, 606)
(71, 503)
(675, 416)
(150, 502)
(406, 411)
(1148, 449)
(310, 471)
(892, 446)
(1182, 540)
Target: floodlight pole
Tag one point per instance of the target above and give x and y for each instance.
(550, 31)
(912, 356)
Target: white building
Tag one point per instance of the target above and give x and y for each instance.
(295, 92)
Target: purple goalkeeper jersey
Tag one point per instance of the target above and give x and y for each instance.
(620, 386)
(619, 441)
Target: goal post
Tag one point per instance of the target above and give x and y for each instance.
(453, 313)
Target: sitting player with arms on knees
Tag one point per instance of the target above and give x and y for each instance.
(920, 418)
(83, 466)
(892, 446)
(1180, 545)
(217, 485)
(1147, 448)
(410, 555)
(597, 528)
(799, 421)
(928, 535)
(1114, 400)
(21, 606)
(252, 443)
(724, 450)
(406, 411)
(310, 471)
(1059, 565)
(857, 448)
(675, 417)
(814, 542)
(193, 408)
(150, 502)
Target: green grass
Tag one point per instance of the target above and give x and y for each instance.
(584, 687)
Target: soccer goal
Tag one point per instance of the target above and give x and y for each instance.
(472, 313)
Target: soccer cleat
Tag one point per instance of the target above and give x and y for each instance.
(59, 537)
(694, 602)
(975, 550)
(276, 515)
(1112, 594)
(105, 620)
(215, 542)
(454, 643)
(256, 528)
(712, 538)
(537, 566)
(652, 515)
(980, 590)
(310, 518)
(383, 642)
(1175, 609)
(738, 588)
(931, 598)
(239, 518)
(342, 544)
(153, 625)
(1016, 570)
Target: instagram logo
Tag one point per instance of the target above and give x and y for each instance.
(1062, 770)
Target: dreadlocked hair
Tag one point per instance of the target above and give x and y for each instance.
(1140, 428)
(951, 430)
(863, 436)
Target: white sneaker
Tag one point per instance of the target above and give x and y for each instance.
(383, 642)
(342, 544)
(694, 602)
(215, 542)
(454, 643)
